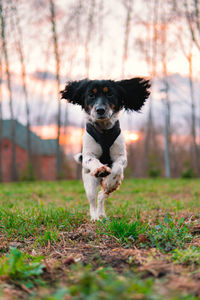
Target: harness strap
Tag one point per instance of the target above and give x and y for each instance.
(105, 138)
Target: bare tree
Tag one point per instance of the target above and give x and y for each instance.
(149, 47)
(157, 54)
(90, 28)
(164, 18)
(57, 60)
(193, 113)
(101, 32)
(188, 53)
(1, 119)
(19, 47)
(13, 133)
(166, 108)
(129, 9)
(192, 13)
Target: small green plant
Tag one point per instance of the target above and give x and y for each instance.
(154, 169)
(28, 173)
(105, 283)
(26, 222)
(187, 256)
(124, 230)
(173, 233)
(17, 268)
(60, 294)
(48, 236)
(154, 172)
(188, 171)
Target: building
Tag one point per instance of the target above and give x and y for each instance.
(43, 153)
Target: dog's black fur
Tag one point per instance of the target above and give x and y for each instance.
(129, 94)
(104, 152)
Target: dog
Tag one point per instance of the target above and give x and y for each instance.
(103, 154)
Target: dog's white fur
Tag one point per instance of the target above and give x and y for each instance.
(102, 100)
(91, 165)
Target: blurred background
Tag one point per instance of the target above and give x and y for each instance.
(45, 43)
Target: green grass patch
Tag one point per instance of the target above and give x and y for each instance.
(38, 221)
(170, 234)
(187, 256)
(104, 283)
(124, 230)
(53, 219)
(165, 235)
(18, 268)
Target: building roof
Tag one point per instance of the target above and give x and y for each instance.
(38, 145)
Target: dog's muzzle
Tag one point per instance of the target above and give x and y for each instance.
(101, 111)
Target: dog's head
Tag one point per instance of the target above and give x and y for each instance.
(101, 99)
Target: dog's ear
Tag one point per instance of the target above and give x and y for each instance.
(133, 92)
(74, 91)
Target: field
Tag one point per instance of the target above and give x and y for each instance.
(148, 247)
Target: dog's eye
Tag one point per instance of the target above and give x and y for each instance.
(109, 94)
(91, 96)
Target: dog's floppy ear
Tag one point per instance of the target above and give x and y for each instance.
(74, 91)
(134, 92)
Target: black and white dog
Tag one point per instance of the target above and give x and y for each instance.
(103, 155)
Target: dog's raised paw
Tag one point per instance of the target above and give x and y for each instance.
(102, 171)
(111, 184)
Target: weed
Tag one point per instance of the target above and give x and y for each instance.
(124, 230)
(27, 222)
(169, 235)
(187, 256)
(37, 212)
(48, 235)
(14, 266)
(188, 171)
(58, 295)
(104, 283)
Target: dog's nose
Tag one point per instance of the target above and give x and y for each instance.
(100, 111)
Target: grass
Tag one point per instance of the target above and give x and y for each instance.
(14, 266)
(124, 230)
(145, 249)
(188, 256)
(165, 235)
(26, 222)
(170, 234)
(104, 283)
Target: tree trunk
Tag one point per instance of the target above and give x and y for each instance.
(1, 120)
(101, 34)
(24, 84)
(193, 19)
(13, 123)
(148, 135)
(166, 104)
(57, 60)
(193, 118)
(166, 101)
(88, 37)
(129, 8)
(151, 61)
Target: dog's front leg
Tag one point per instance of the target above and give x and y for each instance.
(113, 181)
(119, 158)
(94, 166)
(91, 152)
(91, 185)
(100, 204)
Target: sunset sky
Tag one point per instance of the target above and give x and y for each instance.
(106, 58)
(105, 48)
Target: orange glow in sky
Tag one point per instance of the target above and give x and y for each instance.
(130, 136)
(71, 137)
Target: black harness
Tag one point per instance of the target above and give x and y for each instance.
(105, 138)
